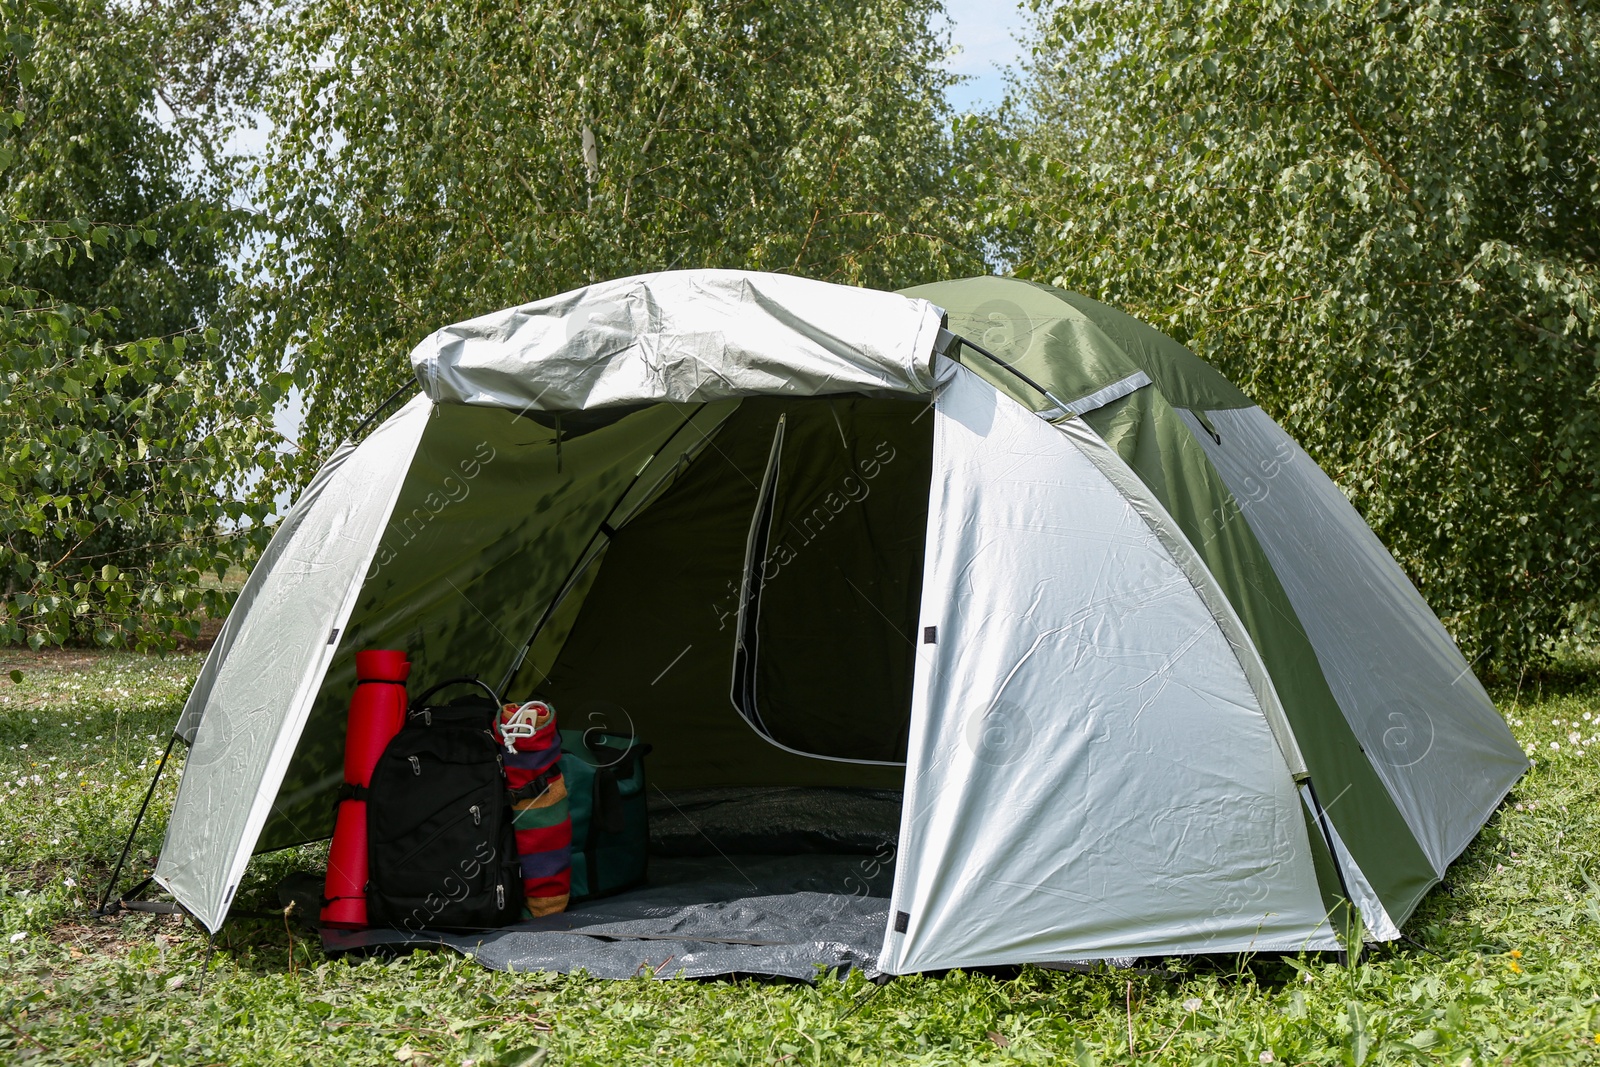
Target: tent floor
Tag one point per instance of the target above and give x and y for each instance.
(792, 916)
(784, 882)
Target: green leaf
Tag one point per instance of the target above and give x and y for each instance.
(1360, 1039)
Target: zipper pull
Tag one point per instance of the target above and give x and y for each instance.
(500, 898)
(416, 766)
(477, 816)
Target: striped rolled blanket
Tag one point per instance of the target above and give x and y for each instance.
(541, 818)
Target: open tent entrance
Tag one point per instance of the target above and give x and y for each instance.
(736, 584)
(765, 601)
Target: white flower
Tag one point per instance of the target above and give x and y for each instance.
(1574, 737)
(1192, 1004)
(70, 883)
(18, 936)
(1265, 1057)
(1554, 747)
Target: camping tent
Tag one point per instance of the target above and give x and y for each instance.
(1135, 675)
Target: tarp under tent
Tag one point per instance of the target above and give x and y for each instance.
(982, 621)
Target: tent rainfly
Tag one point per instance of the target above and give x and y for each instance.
(1138, 678)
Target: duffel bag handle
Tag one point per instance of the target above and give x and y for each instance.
(465, 679)
(620, 762)
(608, 779)
(608, 814)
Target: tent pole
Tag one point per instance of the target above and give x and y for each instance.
(1035, 386)
(381, 408)
(1333, 853)
(205, 967)
(116, 872)
(584, 559)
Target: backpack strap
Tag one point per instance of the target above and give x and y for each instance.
(536, 786)
(421, 702)
(347, 791)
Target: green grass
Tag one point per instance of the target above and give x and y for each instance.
(1507, 975)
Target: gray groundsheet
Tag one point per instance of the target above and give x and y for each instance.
(793, 916)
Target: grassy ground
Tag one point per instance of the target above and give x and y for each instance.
(1506, 974)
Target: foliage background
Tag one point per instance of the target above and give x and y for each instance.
(1378, 218)
(125, 445)
(1382, 220)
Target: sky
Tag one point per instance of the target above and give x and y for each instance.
(987, 32)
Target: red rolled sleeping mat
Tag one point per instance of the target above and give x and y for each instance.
(377, 712)
(540, 815)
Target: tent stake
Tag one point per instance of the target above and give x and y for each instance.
(861, 1001)
(116, 872)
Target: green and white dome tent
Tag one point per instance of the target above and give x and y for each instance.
(1145, 680)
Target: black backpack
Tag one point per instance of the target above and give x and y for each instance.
(441, 853)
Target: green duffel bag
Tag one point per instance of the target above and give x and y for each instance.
(604, 774)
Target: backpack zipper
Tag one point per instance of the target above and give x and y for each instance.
(500, 897)
(416, 766)
(477, 815)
